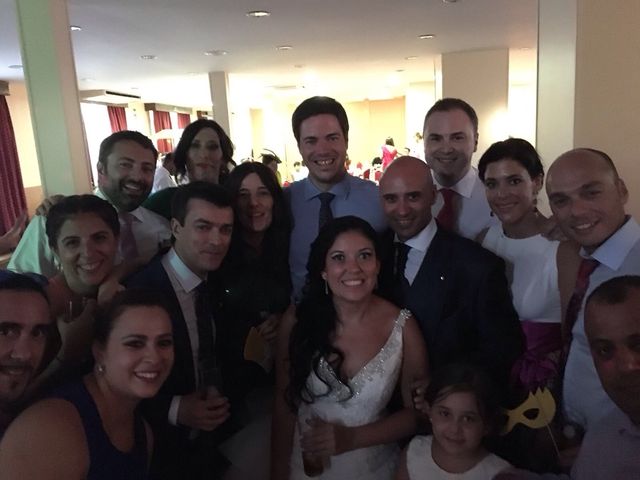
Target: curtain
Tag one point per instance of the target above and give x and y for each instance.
(162, 121)
(184, 119)
(117, 117)
(12, 198)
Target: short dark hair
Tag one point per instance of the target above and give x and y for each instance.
(181, 153)
(214, 194)
(106, 147)
(465, 377)
(516, 149)
(13, 281)
(615, 291)
(76, 204)
(448, 104)
(317, 106)
(134, 297)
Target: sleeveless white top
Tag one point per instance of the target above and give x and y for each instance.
(532, 273)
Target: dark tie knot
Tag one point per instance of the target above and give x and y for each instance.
(326, 198)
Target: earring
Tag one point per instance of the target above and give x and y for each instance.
(326, 287)
(100, 368)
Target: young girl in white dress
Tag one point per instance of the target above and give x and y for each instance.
(462, 407)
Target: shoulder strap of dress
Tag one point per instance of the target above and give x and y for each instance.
(402, 317)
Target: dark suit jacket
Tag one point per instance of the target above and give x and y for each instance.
(461, 300)
(173, 450)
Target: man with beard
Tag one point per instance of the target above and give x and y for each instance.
(321, 129)
(450, 139)
(24, 326)
(126, 166)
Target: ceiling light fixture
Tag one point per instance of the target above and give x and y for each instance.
(148, 57)
(449, 1)
(284, 48)
(258, 13)
(427, 36)
(15, 67)
(75, 28)
(411, 57)
(216, 53)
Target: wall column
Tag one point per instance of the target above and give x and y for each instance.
(219, 86)
(50, 76)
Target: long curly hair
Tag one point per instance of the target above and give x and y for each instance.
(310, 338)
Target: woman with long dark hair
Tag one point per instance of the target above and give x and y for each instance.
(204, 153)
(341, 354)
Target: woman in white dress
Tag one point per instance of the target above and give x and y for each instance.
(513, 176)
(341, 355)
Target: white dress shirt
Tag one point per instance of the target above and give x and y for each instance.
(419, 245)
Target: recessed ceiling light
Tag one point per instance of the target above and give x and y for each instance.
(216, 53)
(284, 48)
(449, 1)
(400, 70)
(411, 57)
(87, 79)
(135, 88)
(15, 67)
(427, 36)
(75, 28)
(148, 57)
(298, 66)
(258, 13)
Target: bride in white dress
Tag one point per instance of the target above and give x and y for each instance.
(340, 357)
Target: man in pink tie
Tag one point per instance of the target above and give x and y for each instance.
(587, 197)
(126, 167)
(450, 139)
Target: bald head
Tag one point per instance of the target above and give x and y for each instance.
(586, 196)
(407, 194)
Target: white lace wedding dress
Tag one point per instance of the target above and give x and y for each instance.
(372, 388)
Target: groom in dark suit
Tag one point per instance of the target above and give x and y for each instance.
(456, 289)
(185, 410)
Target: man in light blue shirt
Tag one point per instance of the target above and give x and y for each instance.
(321, 128)
(587, 197)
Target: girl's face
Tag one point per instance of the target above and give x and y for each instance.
(458, 427)
(204, 157)
(255, 204)
(138, 355)
(86, 248)
(351, 267)
(510, 190)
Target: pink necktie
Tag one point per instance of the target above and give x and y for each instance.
(128, 245)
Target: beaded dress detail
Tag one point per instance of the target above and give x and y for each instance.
(371, 390)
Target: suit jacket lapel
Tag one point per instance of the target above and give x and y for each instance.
(427, 293)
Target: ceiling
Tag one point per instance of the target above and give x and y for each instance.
(344, 48)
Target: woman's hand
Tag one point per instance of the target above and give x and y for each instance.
(268, 329)
(324, 439)
(108, 289)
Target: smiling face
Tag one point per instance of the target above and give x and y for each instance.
(614, 338)
(458, 427)
(449, 142)
(511, 192)
(323, 149)
(202, 242)
(204, 157)
(255, 204)
(86, 248)
(351, 267)
(586, 198)
(138, 354)
(407, 194)
(24, 324)
(127, 177)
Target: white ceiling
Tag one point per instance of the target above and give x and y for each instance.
(345, 48)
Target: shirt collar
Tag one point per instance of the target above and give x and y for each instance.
(422, 240)
(340, 189)
(186, 278)
(464, 186)
(616, 248)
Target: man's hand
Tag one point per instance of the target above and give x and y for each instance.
(324, 439)
(268, 329)
(47, 203)
(203, 413)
